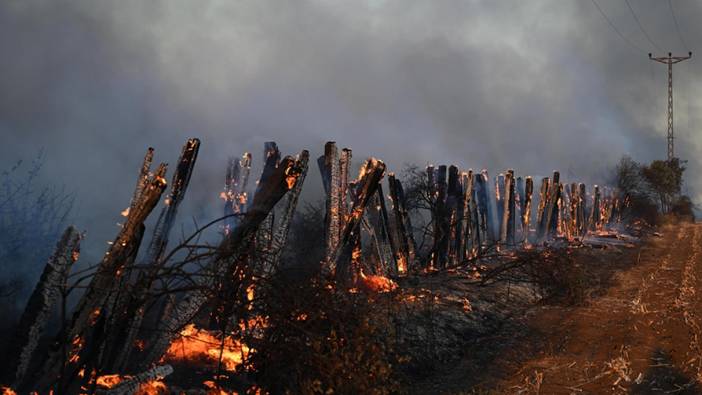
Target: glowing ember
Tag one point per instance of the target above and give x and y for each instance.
(125, 212)
(199, 344)
(213, 388)
(153, 387)
(7, 391)
(377, 283)
(110, 380)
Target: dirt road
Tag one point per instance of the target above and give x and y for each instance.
(643, 336)
(641, 333)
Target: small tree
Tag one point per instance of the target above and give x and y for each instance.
(665, 180)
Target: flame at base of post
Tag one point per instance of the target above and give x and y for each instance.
(198, 344)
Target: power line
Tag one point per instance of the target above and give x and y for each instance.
(638, 22)
(626, 40)
(677, 27)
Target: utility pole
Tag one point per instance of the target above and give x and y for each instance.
(670, 60)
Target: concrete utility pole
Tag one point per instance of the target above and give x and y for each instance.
(670, 60)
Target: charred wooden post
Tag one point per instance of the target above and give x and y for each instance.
(483, 214)
(574, 203)
(595, 216)
(280, 237)
(454, 210)
(440, 248)
(492, 223)
(500, 206)
(129, 314)
(392, 239)
(369, 179)
(379, 235)
(131, 385)
(344, 163)
(551, 209)
(463, 222)
(38, 310)
(405, 252)
(582, 209)
(407, 224)
(235, 185)
(519, 199)
(329, 167)
(507, 236)
(229, 255)
(526, 211)
(264, 235)
(81, 333)
(541, 211)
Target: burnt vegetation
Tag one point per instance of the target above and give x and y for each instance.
(377, 285)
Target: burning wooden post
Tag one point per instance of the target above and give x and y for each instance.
(81, 335)
(264, 234)
(483, 212)
(392, 240)
(131, 385)
(440, 248)
(542, 209)
(402, 227)
(508, 209)
(367, 184)
(127, 317)
(464, 243)
(595, 216)
(454, 212)
(329, 167)
(380, 234)
(582, 210)
(39, 308)
(526, 208)
(281, 234)
(551, 212)
(234, 194)
(500, 206)
(228, 256)
(519, 199)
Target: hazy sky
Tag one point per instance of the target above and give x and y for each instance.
(535, 85)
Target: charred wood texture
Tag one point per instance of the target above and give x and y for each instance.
(331, 175)
(508, 211)
(401, 226)
(82, 335)
(500, 207)
(220, 278)
(281, 234)
(582, 210)
(39, 307)
(595, 217)
(392, 239)
(264, 235)
(366, 185)
(131, 385)
(526, 208)
(235, 185)
(127, 318)
(453, 212)
(465, 243)
(441, 237)
(378, 231)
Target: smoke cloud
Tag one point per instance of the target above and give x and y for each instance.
(535, 86)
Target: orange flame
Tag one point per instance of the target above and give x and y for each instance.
(377, 283)
(199, 344)
(7, 391)
(110, 380)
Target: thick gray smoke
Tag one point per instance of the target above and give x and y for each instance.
(537, 86)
